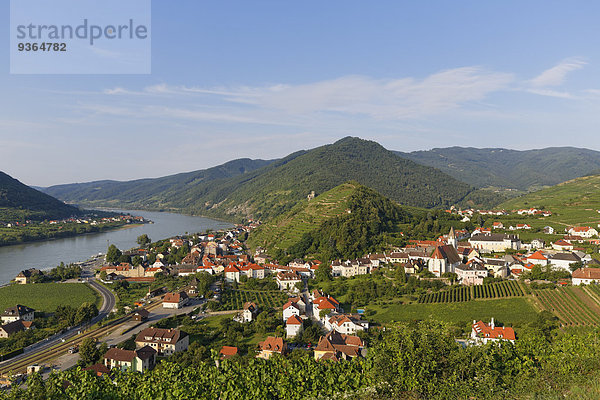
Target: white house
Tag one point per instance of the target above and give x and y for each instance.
(346, 324)
(583, 231)
(232, 273)
(16, 313)
(564, 260)
(482, 333)
(293, 326)
(250, 311)
(290, 308)
(175, 300)
(471, 274)
(586, 276)
(288, 280)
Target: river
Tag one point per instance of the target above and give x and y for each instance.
(50, 253)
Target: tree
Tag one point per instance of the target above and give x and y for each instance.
(143, 240)
(113, 254)
(299, 286)
(400, 275)
(323, 273)
(88, 353)
(451, 276)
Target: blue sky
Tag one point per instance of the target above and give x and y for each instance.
(262, 79)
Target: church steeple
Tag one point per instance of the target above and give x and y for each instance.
(452, 238)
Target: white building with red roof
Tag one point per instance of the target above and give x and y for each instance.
(483, 333)
(537, 258)
(232, 273)
(583, 231)
(562, 245)
(327, 304)
(293, 326)
(586, 276)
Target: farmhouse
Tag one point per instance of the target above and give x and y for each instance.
(586, 276)
(250, 312)
(483, 333)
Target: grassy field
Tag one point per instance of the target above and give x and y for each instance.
(572, 202)
(47, 296)
(305, 217)
(514, 311)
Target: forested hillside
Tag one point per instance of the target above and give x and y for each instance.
(513, 169)
(19, 201)
(274, 189)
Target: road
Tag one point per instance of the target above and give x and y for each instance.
(108, 303)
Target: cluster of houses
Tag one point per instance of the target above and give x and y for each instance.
(340, 342)
(16, 319)
(463, 254)
(468, 214)
(127, 219)
(149, 343)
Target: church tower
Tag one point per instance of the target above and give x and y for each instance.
(452, 238)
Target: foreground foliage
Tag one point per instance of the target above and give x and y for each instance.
(408, 361)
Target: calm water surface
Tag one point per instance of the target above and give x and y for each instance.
(50, 253)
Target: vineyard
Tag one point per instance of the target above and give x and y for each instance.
(496, 290)
(574, 306)
(235, 299)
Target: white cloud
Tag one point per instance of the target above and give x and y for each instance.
(392, 99)
(556, 75)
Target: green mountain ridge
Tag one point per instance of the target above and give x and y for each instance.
(275, 188)
(19, 201)
(525, 170)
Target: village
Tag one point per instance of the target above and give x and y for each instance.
(458, 258)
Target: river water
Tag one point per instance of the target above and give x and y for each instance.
(50, 253)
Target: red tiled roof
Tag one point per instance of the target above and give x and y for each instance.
(228, 351)
(493, 333)
(293, 320)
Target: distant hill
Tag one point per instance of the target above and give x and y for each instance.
(513, 169)
(19, 201)
(151, 192)
(574, 202)
(275, 188)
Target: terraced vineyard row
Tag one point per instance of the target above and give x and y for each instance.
(235, 299)
(574, 306)
(456, 294)
(497, 290)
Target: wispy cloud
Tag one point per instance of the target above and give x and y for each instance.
(402, 98)
(556, 75)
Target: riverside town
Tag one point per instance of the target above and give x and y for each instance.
(336, 200)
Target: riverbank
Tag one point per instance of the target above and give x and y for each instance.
(37, 233)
